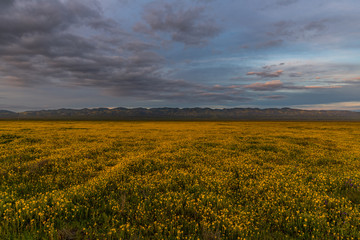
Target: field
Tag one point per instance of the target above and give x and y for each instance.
(179, 180)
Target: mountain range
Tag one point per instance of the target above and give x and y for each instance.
(236, 114)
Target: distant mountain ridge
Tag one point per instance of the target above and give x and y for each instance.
(183, 114)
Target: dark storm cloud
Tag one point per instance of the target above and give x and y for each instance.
(188, 25)
(49, 45)
(42, 17)
(40, 46)
(39, 27)
(5, 4)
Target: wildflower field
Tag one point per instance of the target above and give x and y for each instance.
(179, 180)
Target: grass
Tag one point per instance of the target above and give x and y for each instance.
(179, 180)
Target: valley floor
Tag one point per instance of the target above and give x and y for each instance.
(179, 180)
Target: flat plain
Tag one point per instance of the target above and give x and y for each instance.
(179, 180)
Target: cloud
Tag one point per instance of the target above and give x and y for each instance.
(278, 85)
(139, 45)
(274, 97)
(188, 25)
(294, 31)
(266, 74)
(41, 46)
(179, 90)
(320, 72)
(46, 28)
(321, 87)
(270, 43)
(205, 1)
(4, 4)
(285, 2)
(297, 74)
(350, 106)
(316, 26)
(267, 86)
(77, 44)
(277, 4)
(351, 80)
(14, 106)
(43, 17)
(269, 67)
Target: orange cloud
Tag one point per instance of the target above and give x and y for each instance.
(267, 86)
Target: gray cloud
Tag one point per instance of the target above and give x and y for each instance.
(291, 30)
(180, 90)
(270, 43)
(351, 81)
(268, 67)
(274, 97)
(286, 2)
(4, 4)
(188, 25)
(42, 48)
(139, 45)
(321, 71)
(278, 85)
(42, 17)
(298, 74)
(266, 74)
(205, 1)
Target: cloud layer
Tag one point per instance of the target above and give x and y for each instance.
(188, 25)
(41, 45)
(179, 53)
(267, 74)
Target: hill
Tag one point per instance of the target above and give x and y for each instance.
(183, 114)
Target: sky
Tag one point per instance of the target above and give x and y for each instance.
(170, 53)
